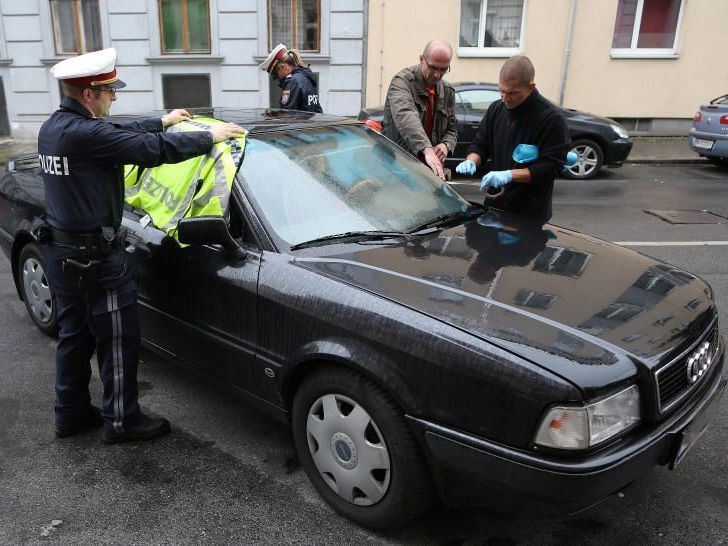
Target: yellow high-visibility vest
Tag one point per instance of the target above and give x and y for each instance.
(199, 186)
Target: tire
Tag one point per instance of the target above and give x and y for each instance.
(358, 451)
(35, 290)
(591, 159)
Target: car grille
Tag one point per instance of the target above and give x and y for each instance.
(674, 381)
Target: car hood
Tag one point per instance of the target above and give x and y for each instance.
(587, 310)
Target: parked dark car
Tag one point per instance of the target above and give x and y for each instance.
(420, 346)
(597, 141)
(709, 133)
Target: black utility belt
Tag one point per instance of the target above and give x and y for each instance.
(101, 240)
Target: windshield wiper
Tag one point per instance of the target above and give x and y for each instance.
(446, 218)
(369, 235)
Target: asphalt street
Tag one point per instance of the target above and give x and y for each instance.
(228, 473)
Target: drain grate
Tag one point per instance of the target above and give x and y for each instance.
(688, 216)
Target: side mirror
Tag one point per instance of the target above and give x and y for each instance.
(206, 230)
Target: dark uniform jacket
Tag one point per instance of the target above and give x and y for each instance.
(82, 161)
(537, 122)
(404, 112)
(300, 91)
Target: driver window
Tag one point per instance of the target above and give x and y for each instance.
(478, 100)
(461, 107)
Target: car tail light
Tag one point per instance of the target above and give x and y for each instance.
(373, 124)
(724, 120)
(698, 116)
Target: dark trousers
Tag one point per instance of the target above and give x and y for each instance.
(99, 314)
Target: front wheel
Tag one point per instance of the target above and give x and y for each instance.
(35, 290)
(589, 159)
(357, 449)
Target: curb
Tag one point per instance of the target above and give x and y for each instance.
(651, 161)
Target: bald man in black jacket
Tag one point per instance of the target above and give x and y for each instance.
(522, 120)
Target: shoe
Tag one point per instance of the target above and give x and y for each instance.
(147, 428)
(90, 420)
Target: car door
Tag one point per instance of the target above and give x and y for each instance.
(465, 131)
(198, 302)
(471, 105)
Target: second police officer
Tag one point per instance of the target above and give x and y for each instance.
(298, 84)
(82, 159)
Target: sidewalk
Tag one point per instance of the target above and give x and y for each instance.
(645, 150)
(662, 150)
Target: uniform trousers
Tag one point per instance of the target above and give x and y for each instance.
(98, 314)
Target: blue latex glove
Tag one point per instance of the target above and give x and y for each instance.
(490, 221)
(496, 179)
(525, 153)
(466, 167)
(571, 159)
(550, 235)
(506, 238)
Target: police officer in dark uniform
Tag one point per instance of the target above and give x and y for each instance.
(82, 160)
(300, 91)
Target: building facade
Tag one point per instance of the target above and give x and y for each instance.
(178, 53)
(648, 63)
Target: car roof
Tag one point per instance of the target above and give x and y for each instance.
(475, 84)
(255, 120)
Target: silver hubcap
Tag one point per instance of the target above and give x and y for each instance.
(586, 162)
(348, 449)
(36, 290)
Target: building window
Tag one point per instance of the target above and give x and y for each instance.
(490, 27)
(646, 28)
(531, 298)
(185, 26)
(561, 261)
(186, 91)
(619, 311)
(295, 23)
(76, 26)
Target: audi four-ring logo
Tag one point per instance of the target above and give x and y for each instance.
(699, 362)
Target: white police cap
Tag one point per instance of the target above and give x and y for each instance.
(89, 70)
(270, 63)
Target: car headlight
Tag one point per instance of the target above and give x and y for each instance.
(580, 427)
(621, 133)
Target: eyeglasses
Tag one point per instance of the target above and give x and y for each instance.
(110, 90)
(439, 69)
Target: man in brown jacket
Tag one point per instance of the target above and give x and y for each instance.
(419, 113)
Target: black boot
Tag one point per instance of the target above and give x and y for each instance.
(86, 421)
(147, 428)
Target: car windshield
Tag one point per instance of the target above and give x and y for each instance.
(327, 181)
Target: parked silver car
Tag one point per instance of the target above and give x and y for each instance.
(709, 134)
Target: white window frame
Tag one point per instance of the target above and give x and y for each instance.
(633, 52)
(494, 51)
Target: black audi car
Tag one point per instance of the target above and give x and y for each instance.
(419, 345)
(597, 141)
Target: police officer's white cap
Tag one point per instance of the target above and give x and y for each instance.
(271, 62)
(94, 69)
